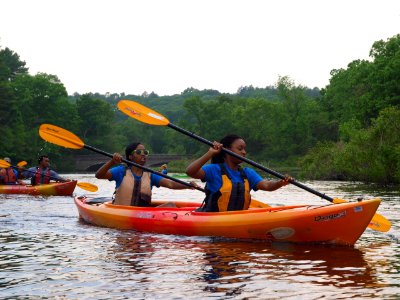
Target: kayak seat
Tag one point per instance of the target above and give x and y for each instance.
(99, 200)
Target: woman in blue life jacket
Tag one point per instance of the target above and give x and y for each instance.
(133, 185)
(228, 185)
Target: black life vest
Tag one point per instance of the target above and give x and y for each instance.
(231, 196)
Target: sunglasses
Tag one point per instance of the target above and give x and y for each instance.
(140, 152)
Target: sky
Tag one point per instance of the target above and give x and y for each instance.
(166, 46)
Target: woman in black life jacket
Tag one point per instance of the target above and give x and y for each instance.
(228, 185)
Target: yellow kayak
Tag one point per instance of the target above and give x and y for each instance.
(51, 189)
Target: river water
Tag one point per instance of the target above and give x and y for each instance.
(46, 252)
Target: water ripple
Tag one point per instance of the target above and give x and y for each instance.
(46, 252)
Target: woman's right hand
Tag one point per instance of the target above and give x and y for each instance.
(215, 149)
(117, 158)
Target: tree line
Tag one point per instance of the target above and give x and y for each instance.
(348, 130)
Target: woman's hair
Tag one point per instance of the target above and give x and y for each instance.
(226, 142)
(130, 148)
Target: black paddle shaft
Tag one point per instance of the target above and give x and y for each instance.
(143, 167)
(26, 170)
(250, 162)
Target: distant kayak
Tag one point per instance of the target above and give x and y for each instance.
(51, 189)
(340, 223)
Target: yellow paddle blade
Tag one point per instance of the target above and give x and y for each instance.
(142, 113)
(337, 201)
(22, 163)
(59, 136)
(88, 186)
(258, 204)
(380, 223)
(4, 164)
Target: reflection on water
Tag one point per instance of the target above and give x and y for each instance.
(313, 264)
(226, 267)
(46, 252)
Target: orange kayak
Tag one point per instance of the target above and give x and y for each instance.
(340, 223)
(51, 189)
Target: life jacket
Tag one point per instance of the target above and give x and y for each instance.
(133, 192)
(41, 176)
(9, 177)
(231, 196)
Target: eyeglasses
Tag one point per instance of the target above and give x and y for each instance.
(140, 152)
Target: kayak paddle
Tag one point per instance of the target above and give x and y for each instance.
(62, 137)
(146, 115)
(83, 185)
(22, 163)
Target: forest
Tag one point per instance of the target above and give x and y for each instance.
(348, 130)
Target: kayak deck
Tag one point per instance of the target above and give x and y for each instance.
(335, 223)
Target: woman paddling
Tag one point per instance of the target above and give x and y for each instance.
(9, 176)
(133, 185)
(227, 184)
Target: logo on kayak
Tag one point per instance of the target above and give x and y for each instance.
(358, 209)
(330, 217)
(281, 233)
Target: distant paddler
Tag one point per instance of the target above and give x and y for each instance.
(163, 169)
(8, 175)
(42, 173)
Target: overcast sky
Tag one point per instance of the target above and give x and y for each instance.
(166, 46)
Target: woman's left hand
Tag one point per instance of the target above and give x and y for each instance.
(194, 185)
(286, 180)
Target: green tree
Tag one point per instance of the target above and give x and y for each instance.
(303, 122)
(366, 87)
(370, 155)
(96, 120)
(42, 99)
(385, 77)
(10, 65)
(11, 131)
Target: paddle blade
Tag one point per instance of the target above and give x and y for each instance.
(142, 113)
(59, 136)
(380, 223)
(338, 201)
(87, 186)
(4, 164)
(22, 163)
